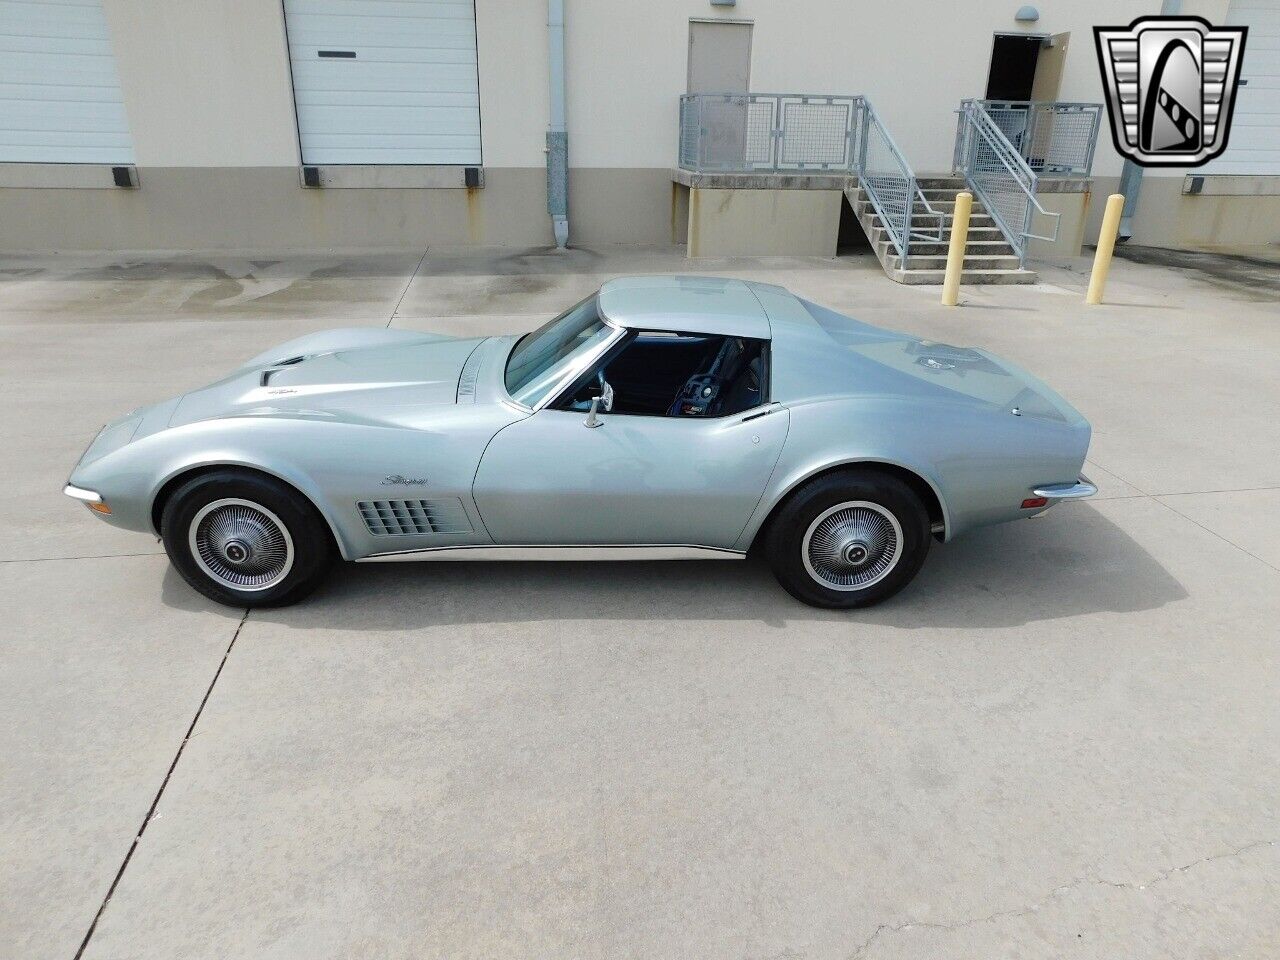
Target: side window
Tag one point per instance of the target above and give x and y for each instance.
(660, 373)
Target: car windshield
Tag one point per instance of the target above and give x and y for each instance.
(540, 359)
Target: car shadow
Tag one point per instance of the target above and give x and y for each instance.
(1068, 563)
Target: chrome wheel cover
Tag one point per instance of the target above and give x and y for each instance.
(241, 544)
(852, 546)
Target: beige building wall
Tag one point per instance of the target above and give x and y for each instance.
(209, 99)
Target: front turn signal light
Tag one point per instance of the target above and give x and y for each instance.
(99, 507)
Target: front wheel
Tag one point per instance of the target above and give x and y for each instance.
(245, 540)
(849, 539)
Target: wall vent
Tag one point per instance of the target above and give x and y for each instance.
(403, 518)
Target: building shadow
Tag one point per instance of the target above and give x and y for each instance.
(1069, 563)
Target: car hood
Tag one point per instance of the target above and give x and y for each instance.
(381, 380)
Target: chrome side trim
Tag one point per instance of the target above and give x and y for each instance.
(648, 551)
(79, 493)
(1067, 491)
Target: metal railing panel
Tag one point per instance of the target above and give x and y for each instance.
(768, 132)
(819, 133)
(1052, 136)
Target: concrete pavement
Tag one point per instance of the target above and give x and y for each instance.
(1062, 741)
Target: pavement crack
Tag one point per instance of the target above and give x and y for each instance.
(84, 944)
(407, 284)
(886, 929)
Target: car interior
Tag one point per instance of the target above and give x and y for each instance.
(664, 374)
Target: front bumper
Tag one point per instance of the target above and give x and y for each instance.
(90, 498)
(81, 494)
(1067, 491)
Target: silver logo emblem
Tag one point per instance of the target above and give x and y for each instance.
(1171, 86)
(395, 480)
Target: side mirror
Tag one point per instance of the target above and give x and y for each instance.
(600, 390)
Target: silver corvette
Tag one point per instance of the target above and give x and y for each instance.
(662, 417)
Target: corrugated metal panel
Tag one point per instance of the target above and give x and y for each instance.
(1254, 144)
(60, 96)
(385, 81)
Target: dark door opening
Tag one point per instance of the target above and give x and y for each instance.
(1013, 66)
(851, 241)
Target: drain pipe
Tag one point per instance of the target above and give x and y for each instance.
(1131, 173)
(557, 133)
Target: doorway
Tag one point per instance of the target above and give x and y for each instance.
(719, 56)
(1013, 66)
(1026, 66)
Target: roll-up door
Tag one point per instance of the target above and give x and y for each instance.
(1254, 144)
(385, 81)
(60, 98)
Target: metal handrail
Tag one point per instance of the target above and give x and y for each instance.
(900, 233)
(988, 160)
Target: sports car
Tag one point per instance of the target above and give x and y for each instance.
(660, 418)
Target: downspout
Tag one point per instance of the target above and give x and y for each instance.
(1131, 173)
(557, 133)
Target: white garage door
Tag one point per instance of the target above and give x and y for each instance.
(60, 96)
(1254, 144)
(385, 81)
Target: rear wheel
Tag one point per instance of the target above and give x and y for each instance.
(245, 540)
(849, 539)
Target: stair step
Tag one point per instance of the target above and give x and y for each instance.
(946, 193)
(978, 248)
(948, 207)
(918, 209)
(971, 263)
(928, 220)
(975, 234)
(940, 183)
(968, 278)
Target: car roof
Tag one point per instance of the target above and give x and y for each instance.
(685, 304)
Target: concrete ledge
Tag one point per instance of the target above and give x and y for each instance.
(1230, 185)
(800, 180)
(390, 176)
(62, 176)
(1064, 185)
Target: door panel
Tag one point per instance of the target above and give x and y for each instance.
(548, 479)
(1049, 65)
(719, 57)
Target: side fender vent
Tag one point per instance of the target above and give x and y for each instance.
(467, 378)
(402, 518)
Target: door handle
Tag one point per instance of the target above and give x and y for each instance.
(762, 412)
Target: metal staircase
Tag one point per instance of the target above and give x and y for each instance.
(988, 256)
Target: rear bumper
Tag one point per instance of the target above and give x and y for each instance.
(1067, 491)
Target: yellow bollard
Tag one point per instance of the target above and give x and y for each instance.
(1106, 245)
(955, 252)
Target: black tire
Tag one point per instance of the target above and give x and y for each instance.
(270, 542)
(864, 534)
